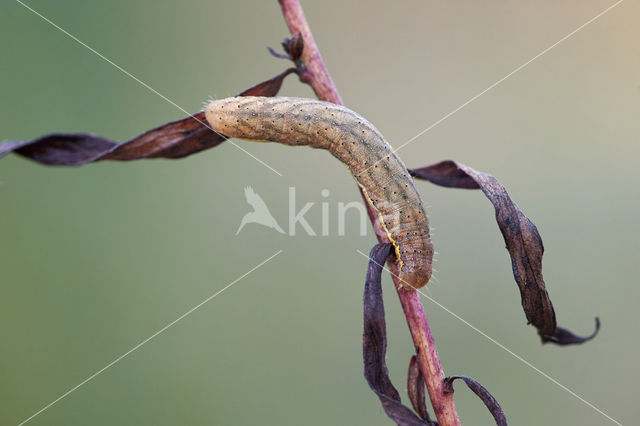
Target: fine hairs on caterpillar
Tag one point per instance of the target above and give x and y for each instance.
(354, 141)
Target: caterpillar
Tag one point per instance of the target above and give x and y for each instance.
(384, 179)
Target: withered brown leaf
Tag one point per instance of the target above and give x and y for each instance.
(374, 343)
(523, 243)
(489, 401)
(416, 389)
(172, 140)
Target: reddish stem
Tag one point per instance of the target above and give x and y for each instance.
(317, 76)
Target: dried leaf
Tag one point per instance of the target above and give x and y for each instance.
(523, 243)
(294, 47)
(172, 140)
(277, 54)
(374, 343)
(562, 336)
(416, 389)
(58, 149)
(489, 401)
(269, 87)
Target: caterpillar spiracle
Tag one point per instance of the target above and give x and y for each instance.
(354, 141)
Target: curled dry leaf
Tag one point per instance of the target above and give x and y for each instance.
(562, 336)
(374, 343)
(172, 140)
(523, 243)
(294, 47)
(489, 401)
(416, 389)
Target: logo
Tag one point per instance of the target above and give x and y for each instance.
(260, 214)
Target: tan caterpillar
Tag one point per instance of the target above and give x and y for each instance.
(354, 141)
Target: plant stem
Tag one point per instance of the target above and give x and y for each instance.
(317, 76)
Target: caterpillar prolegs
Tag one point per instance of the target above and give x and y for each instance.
(354, 141)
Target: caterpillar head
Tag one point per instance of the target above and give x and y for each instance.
(415, 265)
(416, 277)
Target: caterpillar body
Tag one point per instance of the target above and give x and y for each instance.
(354, 141)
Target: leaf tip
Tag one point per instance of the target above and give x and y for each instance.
(562, 336)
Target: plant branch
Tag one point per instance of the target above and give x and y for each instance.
(315, 73)
(317, 76)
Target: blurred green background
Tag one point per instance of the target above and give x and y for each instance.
(96, 259)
